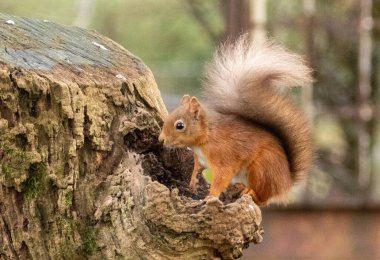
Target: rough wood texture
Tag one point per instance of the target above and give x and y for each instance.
(79, 120)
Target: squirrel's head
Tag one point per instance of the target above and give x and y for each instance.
(186, 125)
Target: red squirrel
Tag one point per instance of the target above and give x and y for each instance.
(246, 132)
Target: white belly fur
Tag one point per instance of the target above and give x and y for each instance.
(201, 158)
(240, 177)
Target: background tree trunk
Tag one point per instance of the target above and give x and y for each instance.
(237, 18)
(364, 91)
(82, 174)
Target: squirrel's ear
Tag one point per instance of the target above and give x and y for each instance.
(185, 99)
(194, 107)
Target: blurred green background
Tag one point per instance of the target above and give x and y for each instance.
(176, 38)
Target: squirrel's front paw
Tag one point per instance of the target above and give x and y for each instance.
(193, 184)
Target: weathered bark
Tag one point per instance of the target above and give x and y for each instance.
(79, 120)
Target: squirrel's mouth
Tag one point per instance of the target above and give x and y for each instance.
(173, 145)
(169, 142)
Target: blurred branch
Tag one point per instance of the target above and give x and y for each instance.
(364, 94)
(308, 33)
(85, 10)
(199, 14)
(258, 18)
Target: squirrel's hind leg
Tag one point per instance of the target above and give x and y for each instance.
(222, 179)
(242, 189)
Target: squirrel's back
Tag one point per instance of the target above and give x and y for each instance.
(242, 79)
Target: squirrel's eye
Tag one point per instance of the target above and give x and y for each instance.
(179, 125)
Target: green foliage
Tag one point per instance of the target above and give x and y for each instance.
(89, 240)
(33, 186)
(207, 174)
(69, 199)
(14, 162)
(164, 35)
(7, 171)
(67, 225)
(62, 11)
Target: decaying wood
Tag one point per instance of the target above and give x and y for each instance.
(79, 120)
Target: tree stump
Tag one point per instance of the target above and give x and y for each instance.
(82, 174)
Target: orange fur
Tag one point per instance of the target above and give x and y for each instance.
(247, 131)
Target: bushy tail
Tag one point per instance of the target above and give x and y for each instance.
(242, 79)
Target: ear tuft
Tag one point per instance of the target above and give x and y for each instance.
(194, 104)
(185, 99)
(194, 107)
